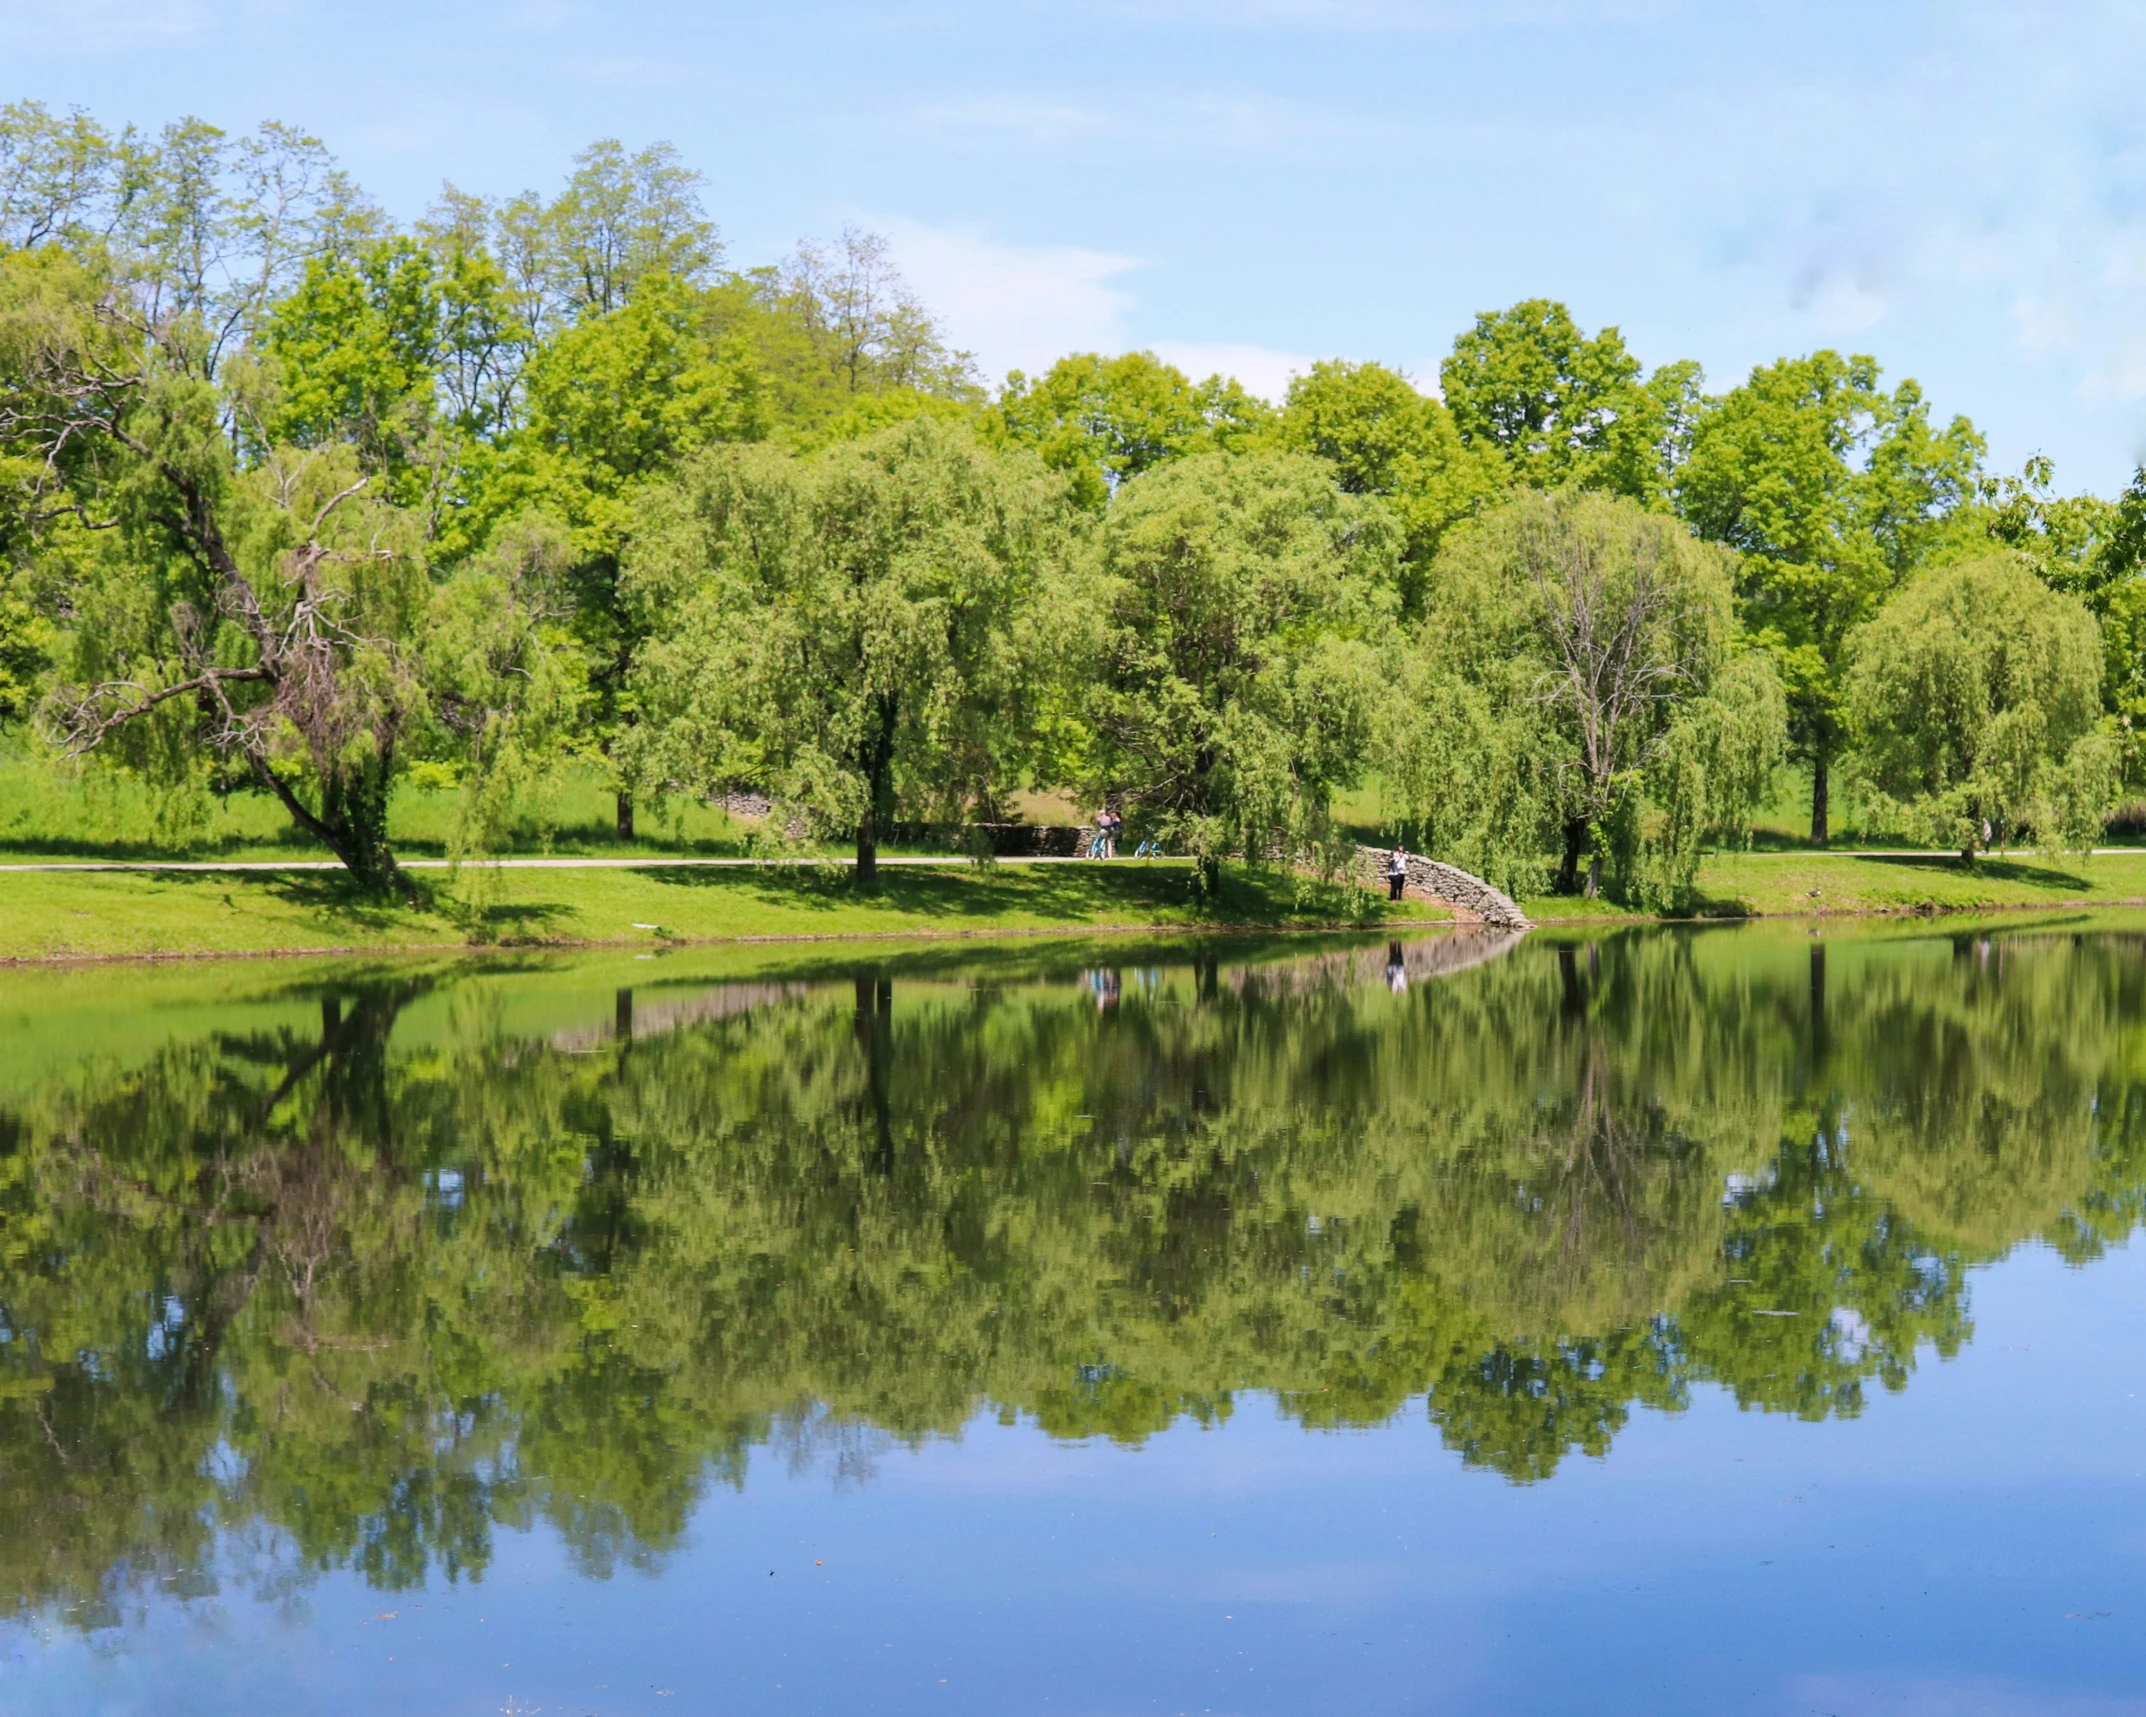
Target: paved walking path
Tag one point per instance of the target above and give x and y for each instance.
(652, 863)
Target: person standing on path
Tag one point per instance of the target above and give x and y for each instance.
(1396, 872)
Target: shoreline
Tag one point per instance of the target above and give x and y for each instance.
(480, 950)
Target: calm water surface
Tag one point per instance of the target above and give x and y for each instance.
(1738, 1320)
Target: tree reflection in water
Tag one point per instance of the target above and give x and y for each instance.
(354, 1275)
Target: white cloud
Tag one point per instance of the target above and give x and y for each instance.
(100, 26)
(1016, 307)
(1020, 307)
(1262, 369)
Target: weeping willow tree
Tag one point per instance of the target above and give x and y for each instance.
(1977, 691)
(1245, 603)
(1576, 709)
(858, 634)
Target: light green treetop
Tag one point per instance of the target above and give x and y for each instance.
(1564, 407)
(1384, 438)
(1104, 420)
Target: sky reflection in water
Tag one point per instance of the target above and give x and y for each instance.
(1537, 1327)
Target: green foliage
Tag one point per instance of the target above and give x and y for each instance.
(1247, 601)
(1384, 438)
(620, 219)
(1976, 693)
(2095, 550)
(394, 350)
(856, 633)
(1566, 408)
(26, 640)
(617, 402)
(1581, 690)
(1833, 491)
(503, 680)
(198, 331)
(1103, 421)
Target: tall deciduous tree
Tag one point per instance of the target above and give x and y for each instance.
(1104, 420)
(1566, 407)
(854, 633)
(1384, 438)
(1247, 603)
(408, 353)
(871, 329)
(621, 218)
(1976, 692)
(2093, 549)
(61, 176)
(612, 406)
(1833, 490)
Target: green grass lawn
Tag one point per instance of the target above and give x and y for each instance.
(60, 915)
(50, 811)
(1746, 884)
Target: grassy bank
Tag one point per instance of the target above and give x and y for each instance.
(80, 915)
(61, 915)
(1734, 885)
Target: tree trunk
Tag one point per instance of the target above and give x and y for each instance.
(878, 782)
(1821, 799)
(353, 820)
(352, 823)
(868, 848)
(1594, 876)
(625, 815)
(1568, 870)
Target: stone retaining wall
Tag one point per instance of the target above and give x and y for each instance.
(1451, 886)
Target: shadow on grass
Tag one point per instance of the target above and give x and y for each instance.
(330, 894)
(156, 852)
(1071, 893)
(592, 841)
(1784, 841)
(1993, 870)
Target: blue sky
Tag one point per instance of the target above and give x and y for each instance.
(1959, 189)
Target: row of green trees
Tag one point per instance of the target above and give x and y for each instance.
(368, 1266)
(298, 501)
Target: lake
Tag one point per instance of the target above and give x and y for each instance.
(1696, 1320)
